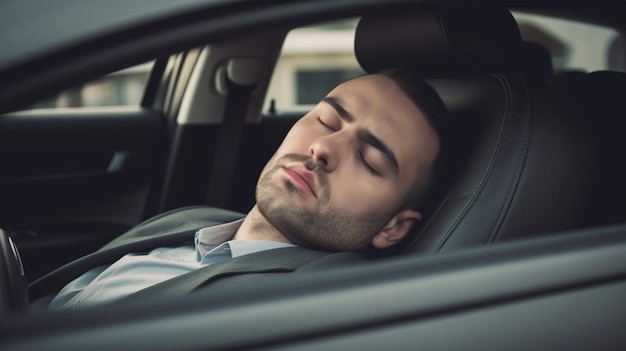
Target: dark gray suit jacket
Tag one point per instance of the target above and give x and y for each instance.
(178, 227)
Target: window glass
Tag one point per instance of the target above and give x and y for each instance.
(319, 82)
(573, 45)
(313, 61)
(121, 88)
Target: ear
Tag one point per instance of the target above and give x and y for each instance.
(396, 229)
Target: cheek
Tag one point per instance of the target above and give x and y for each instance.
(361, 195)
(297, 139)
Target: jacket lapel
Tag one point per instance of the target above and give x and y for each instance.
(57, 279)
(282, 260)
(168, 229)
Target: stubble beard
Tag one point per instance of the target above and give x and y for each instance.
(321, 226)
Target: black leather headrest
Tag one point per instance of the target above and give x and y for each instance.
(441, 42)
(537, 61)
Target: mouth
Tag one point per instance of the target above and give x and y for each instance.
(302, 178)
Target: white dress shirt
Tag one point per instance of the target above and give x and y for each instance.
(135, 272)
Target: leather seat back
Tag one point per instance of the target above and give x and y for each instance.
(600, 96)
(516, 161)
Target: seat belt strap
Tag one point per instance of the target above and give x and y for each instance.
(239, 81)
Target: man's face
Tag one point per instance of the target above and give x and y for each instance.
(339, 179)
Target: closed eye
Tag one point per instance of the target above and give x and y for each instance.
(366, 165)
(327, 126)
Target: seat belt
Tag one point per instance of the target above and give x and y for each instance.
(237, 80)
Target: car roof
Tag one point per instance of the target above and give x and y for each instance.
(30, 28)
(34, 26)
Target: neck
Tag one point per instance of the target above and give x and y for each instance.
(256, 227)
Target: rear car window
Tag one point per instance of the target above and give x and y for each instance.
(313, 61)
(121, 88)
(574, 45)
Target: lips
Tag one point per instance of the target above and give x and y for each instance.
(302, 178)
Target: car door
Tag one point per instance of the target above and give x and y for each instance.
(81, 167)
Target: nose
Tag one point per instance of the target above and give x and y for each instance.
(324, 150)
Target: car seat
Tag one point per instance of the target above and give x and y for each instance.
(516, 160)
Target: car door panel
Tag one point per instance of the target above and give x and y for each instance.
(72, 180)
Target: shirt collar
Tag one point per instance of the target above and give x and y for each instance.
(218, 239)
(209, 238)
(217, 234)
(246, 247)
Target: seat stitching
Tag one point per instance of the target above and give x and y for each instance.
(521, 161)
(484, 177)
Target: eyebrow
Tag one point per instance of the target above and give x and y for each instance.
(343, 113)
(366, 135)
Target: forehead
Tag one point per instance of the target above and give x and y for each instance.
(379, 105)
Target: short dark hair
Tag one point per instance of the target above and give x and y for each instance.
(423, 95)
(426, 98)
